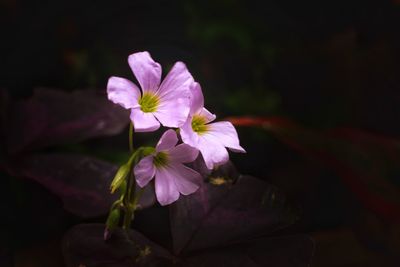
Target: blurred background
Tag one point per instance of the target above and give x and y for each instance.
(323, 65)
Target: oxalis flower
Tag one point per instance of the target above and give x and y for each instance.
(167, 103)
(165, 164)
(210, 138)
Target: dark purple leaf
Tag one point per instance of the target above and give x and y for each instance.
(291, 251)
(220, 214)
(200, 166)
(227, 170)
(367, 163)
(53, 117)
(84, 245)
(81, 182)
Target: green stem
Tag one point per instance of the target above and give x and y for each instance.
(115, 204)
(128, 212)
(130, 191)
(127, 218)
(132, 206)
(137, 198)
(131, 137)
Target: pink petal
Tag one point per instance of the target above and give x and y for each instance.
(207, 115)
(188, 135)
(144, 122)
(183, 153)
(197, 99)
(225, 133)
(176, 83)
(174, 94)
(123, 92)
(146, 70)
(173, 112)
(144, 171)
(167, 141)
(186, 180)
(214, 153)
(166, 190)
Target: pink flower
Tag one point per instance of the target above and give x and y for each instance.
(167, 103)
(165, 164)
(210, 138)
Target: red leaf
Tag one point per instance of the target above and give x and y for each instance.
(84, 245)
(367, 163)
(54, 117)
(218, 215)
(81, 182)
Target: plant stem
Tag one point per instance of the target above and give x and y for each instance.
(128, 211)
(131, 137)
(137, 198)
(127, 219)
(129, 196)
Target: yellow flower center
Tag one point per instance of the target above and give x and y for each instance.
(148, 102)
(199, 125)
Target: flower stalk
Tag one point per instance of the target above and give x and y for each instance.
(125, 181)
(130, 194)
(131, 137)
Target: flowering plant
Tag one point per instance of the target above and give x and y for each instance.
(226, 217)
(176, 102)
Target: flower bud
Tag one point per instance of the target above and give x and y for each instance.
(112, 222)
(120, 177)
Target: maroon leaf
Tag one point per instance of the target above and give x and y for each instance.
(81, 182)
(290, 251)
(53, 117)
(84, 245)
(220, 214)
(227, 170)
(368, 164)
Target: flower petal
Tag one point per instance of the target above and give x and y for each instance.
(173, 112)
(176, 83)
(186, 180)
(188, 135)
(214, 153)
(144, 171)
(146, 70)
(123, 92)
(197, 99)
(183, 153)
(167, 141)
(144, 122)
(174, 95)
(166, 190)
(207, 115)
(226, 134)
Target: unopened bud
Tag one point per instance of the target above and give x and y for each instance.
(112, 222)
(120, 177)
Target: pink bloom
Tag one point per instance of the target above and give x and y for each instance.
(167, 103)
(210, 138)
(171, 176)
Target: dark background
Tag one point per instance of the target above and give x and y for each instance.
(323, 64)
